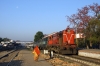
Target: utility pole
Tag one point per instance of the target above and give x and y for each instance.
(76, 25)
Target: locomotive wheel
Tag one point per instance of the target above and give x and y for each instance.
(66, 51)
(62, 50)
(57, 49)
(49, 48)
(75, 51)
(46, 48)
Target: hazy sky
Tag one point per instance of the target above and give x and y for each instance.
(21, 19)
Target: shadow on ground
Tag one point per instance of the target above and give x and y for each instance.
(13, 63)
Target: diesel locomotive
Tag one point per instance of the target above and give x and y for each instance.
(62, 42)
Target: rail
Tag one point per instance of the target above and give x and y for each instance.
(85, 61)
(7, 54)
(12, 59)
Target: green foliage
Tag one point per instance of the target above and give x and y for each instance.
(93, 30)
(81, 43)
(38, 36)
(4, 39)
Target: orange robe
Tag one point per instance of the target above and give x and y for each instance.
(36, 52)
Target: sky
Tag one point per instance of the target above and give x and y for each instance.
(21, 19)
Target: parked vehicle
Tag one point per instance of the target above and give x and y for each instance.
(1, 47)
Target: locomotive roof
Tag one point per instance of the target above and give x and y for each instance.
(49, 34)
(57, 32)
(52, 33)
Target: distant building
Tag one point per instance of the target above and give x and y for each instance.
(11, 40)
(79, 35)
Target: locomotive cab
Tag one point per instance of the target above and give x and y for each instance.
(68, 41)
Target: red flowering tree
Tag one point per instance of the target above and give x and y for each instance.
(81, 19)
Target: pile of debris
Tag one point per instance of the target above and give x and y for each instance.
(58, 61)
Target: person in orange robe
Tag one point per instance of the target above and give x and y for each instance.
(36, 53)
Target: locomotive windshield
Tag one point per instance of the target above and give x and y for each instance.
(68, 30)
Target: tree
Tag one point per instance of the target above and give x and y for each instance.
(83, 18)
(38, 36)
(1, 39)
(6, 39)
(93, 31)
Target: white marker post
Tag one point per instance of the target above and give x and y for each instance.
(45, 51)
(51, 54)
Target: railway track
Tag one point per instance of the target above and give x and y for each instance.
(83, 60)
(95, 61)
(7, 59)
(5, 53)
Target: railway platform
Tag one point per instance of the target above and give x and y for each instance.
(92, 53)
(25, 58)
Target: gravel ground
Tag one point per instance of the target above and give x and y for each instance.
(25, 58)
(59, 61)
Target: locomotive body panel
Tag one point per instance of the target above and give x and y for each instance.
(68, 37)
